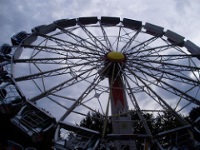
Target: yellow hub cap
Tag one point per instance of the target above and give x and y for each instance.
(115, 56)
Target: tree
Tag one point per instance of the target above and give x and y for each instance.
(95, 121)
(194, 115)
(164, 122)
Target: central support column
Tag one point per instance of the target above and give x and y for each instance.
(119, 102)
(121, 121)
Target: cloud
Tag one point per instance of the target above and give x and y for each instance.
(180, 16)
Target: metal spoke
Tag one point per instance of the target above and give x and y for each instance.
(126, 47)
(94, 38)
(58, 60)
(55, 50)
(80, 99)
(73, 100)
(81, 40)
(137, 107)
(64, 43)
(140, 46)
(168, 63)
(172, 89)
(49, 73)
(56, 88)
(166, 106)
(106, 38)
(118, 39)
(141, 53)
(183, 78)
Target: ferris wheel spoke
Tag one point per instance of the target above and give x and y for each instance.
(43, 74)
(123, 38)
(146, 52)
(88, 75)
(176, 72)
(127, 45)
(105, 123)
(159, 99)
(184, 106)
(141, 88)
(46, 49)
(180, 99)
(64, 43)
(84, 103)
(72, 100)
(169, 65)
(60, 51)
(66, 108)
(82, 41)
(159, 50)
(53, 72)
(54, 60)
(187, 104)
(139, 47)
(178, 76)
(81, 98)
(106, 38)
(157, 79)
(137, 107)
(173, 89)
(58, 87)
(165, 58)
(87, 43)
(178, 110)
(42, 79)
(118, 39)
(94, 39)
(58, 60)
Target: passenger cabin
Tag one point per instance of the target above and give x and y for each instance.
(33, 122)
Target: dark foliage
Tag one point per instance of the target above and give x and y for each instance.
(194, 113)
(95, 121)
(158, 124)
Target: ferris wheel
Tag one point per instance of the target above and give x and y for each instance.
(53, 77)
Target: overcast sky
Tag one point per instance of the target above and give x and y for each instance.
(181, 16)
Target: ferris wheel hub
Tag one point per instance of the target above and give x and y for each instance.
(116, 56)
